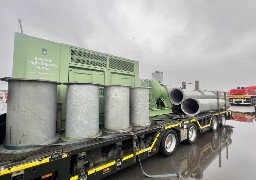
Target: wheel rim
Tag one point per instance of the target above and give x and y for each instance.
(215, 124)
(170, 142)
(223, 120)
(192, 133)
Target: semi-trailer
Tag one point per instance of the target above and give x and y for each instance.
(74, 113)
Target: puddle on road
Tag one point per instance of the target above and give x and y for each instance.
(227, 154)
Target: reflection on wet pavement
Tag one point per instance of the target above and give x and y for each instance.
(227, 154)
(189, 160)
(243, 117)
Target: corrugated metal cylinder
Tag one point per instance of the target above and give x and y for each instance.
(139, 111)
(82, 118)
(117, 107)
(31, 112)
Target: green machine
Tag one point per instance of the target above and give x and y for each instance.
(36, 58)
(159, 102)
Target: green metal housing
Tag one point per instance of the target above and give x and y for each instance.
(36, 58)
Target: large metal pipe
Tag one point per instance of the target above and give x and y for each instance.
(178, 95)
(82, 118)
(117, 108)
(31, 113)
(192, 107)
(139, 112)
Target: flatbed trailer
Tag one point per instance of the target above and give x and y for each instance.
(40, 60)
(100, 157)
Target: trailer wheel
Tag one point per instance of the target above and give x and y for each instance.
(192, 134)
(222, 120)
(169, 143)
(214, 124)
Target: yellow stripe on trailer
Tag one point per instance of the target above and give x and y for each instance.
(154, 142)
(202, 127)
(223, 112)
(92, 171)
(27, 165)
(74, 177)
(128, 157)
(142, 150)
(172, 126)
(24, 166)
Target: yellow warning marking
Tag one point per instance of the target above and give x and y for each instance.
(142, 150)
(24, 166)
(128, 157)
(202, 127)
(27, 165)
(154, 142)
(101, 167)
(74, 177)
(172, 126)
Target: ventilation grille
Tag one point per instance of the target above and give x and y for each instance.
(116, 63)
(88, 58)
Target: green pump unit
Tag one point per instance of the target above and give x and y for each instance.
(159, 102)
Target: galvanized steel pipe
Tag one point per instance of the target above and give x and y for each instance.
(192, 107)
(139, 112)
(31, 112)
(82, 117)
(178, 95)
(117, 108)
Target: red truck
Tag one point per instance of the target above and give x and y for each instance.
(243, 95)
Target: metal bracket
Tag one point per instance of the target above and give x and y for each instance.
(56, 154)
(118, 163)
(17, 175)
(135, 146)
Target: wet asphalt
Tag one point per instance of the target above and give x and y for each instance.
(228, 154)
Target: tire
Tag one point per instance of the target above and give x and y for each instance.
(192, 134)
(223, 120)
(214, 124)
(169, 143)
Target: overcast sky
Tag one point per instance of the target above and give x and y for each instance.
(212, 41)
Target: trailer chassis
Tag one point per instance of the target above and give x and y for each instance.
(101, 157)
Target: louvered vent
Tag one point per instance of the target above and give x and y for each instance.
(89, 58)
(116, 63)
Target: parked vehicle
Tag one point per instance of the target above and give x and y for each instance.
(62, 82)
